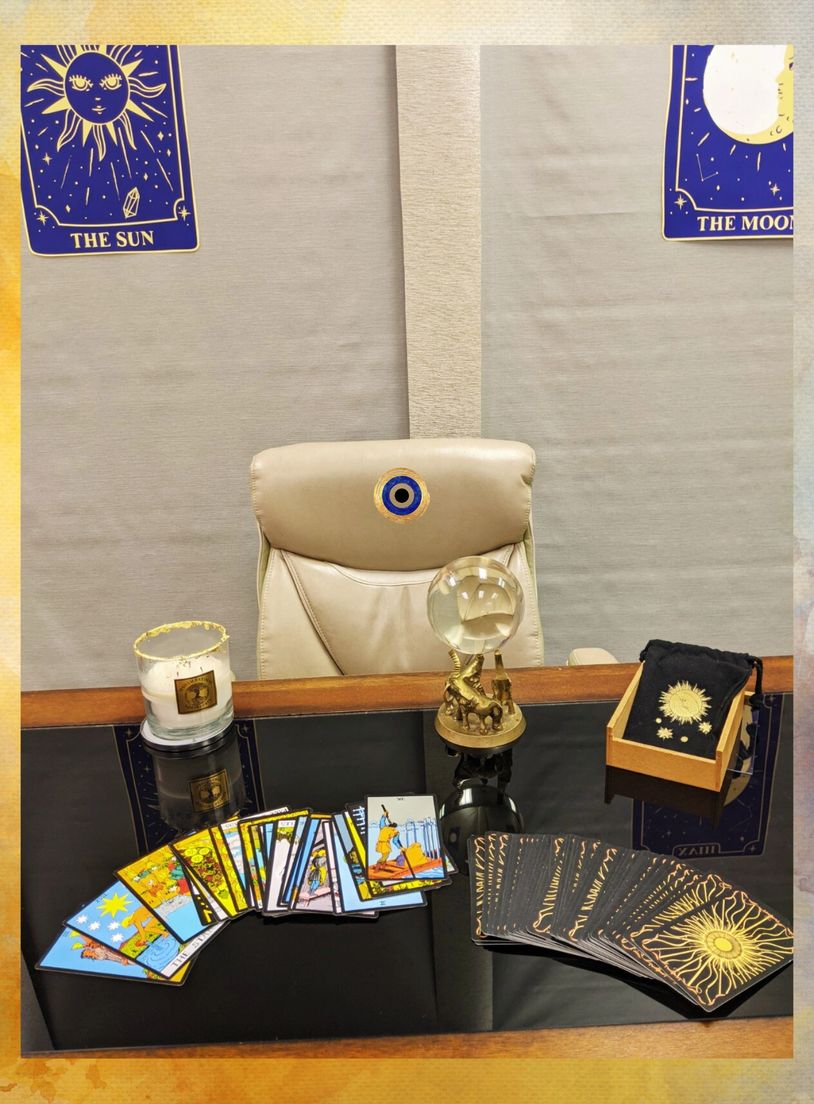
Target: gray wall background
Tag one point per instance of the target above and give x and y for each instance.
(652, 378)
(149, 381)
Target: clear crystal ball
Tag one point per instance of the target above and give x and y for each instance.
(475, 604)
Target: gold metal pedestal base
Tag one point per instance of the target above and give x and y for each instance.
(487, 743)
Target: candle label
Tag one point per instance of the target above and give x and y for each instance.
(211, 791)
(196, 693)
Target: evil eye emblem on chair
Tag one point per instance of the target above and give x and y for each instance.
(401, 495)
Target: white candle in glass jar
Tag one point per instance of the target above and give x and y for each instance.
(158, 685)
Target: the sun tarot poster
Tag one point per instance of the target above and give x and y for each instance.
(104, 161)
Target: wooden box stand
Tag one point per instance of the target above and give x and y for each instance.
(675, 766)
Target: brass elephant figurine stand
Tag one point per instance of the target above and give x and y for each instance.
(471, 719)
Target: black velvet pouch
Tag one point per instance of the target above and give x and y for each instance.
(684, 696)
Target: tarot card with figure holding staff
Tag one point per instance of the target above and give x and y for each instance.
(403, 840)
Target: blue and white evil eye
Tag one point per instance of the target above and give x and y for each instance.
(401, 495)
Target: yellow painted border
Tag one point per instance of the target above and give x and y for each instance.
(69, 1080)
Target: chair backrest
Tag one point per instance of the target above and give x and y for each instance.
(352, 533)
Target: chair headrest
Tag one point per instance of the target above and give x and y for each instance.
(393, 505)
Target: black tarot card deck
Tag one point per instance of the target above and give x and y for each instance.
(646, 914)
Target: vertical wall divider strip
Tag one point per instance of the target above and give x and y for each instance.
(440, 163)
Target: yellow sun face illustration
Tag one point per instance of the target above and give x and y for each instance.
(684, 703)
(721, 947)
(98, 91)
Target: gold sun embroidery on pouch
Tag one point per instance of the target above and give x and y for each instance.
(665, 734)
(684, 703)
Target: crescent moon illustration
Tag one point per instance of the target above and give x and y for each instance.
(749, 92)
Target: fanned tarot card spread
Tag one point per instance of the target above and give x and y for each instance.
(105, 159)
(161, 882)
(164, 907)
(729, 145)
(72, 952)
(648, 915)
(119, 921)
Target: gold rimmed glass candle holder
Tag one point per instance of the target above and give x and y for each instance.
(186, 679)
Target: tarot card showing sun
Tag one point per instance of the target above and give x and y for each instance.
(105, 161)
(728, 155)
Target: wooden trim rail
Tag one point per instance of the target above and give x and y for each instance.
(366, 693)
(689, 1039)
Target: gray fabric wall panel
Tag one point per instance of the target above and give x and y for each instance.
(439, 159)
(150, 381)
(652, 378)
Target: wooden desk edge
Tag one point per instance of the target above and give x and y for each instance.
(757, 1038)
(367, 693)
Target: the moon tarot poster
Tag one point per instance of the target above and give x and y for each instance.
(728, 155)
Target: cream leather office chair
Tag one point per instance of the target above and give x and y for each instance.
(587, 657)
(351, 535)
